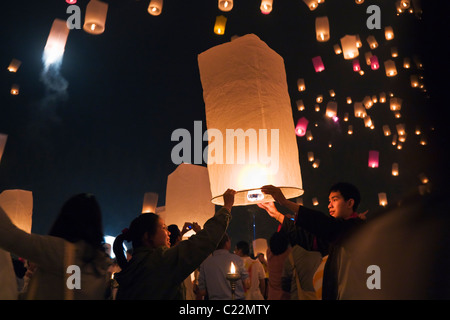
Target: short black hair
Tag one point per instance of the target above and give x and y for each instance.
(244, 247)
(348, 191)
(278, 243)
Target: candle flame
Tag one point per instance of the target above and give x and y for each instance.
(232, 268)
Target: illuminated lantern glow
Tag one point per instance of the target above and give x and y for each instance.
(391, 70)
(260, 246)
(349, 100)
(150, 202)
(368, 121)
(406, 63)
(359, 1)
(315, 201)
(397, 114)
(423, 178)
(249, 94)
(388, 33)
(337, 49)
(309, 136)
(318, 64)
(345, 117)
(301, 84)
(373, 158)
(3, 139)
(414, 81)
(394, 139)
(188, 196)
(358, 41)
(394, 52)
(155, 7)
(418, 131)
(382, 97)
(374, 64)
(382, 199)
(402, 138)
(310, 156)
(316, 163)
(360, 111)
(423, 140)
(356, 65)
(14, 65)
(302, 125)
(367, 56)
(300, 105)
(95, 18)
(395, 104)
(319, 98)
(395, 169)
(219, 26)
(400, 129)
(71, 1)
(374, 98)
(350, 129)
(312, 4)
(18, 205)
(332, 93)
(322, 29)
(266, 6)
(15, 89)
(349, 47)
(56, 42)
(386, 130)
(317, 108)
(373, 44)
(225, 5)
(368, 103)
(331, 110)
(405, 4)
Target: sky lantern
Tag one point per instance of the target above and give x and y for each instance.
(374, 64)
(349, 47)
(260, 246)
(382, 97)
(310, 156)
(188, 196)
(391, 70)
(3, 138)
(14, 65)
(394, 52)
(386, 130)
(423, 140)
(266, 6)
(301, 84)
(373, 44)
(246, 98)
(414, 81)
(318, 64)
(382, 199)
(331, 110)
(345, 116)
(423, 178)
(358, 41)
(367, 102)
(368, 121)
(302, 125)
(388, 33)
(395, 169)
(225, 5)
(319, 98)
(367, 56)
(405, 4)
(332, 93)
(394, 139)
(349, 100)
(309, 136)
(14, 89)
(417, 131)
(155, 7)
(406, 63)
(356, 65)
(219, 26)
(312, 4)
(359, 1)
(360, 111)
(373, 158)
(18, 205)
(315, 201)
(150, 202)
(95, 18)
(350, 129)
(56, 42)
(322, 29)
(395, 104)
(300, 105)
(316, 163)
(337, 49)
(400, 129)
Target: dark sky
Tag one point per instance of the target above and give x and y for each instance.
(133, 85)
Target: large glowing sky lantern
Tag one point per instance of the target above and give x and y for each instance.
(56, 43)
(251, 133)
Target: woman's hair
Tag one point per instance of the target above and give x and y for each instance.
(145, 222)
(80, 218)
(174, 234)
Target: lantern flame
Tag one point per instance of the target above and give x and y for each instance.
(232, 268)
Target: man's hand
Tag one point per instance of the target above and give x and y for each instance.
(228, 199)
(275, 192)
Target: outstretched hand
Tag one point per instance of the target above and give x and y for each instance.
(275, 192)
(228, 199)
(270, 208)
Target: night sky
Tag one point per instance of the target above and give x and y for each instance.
(132, 86)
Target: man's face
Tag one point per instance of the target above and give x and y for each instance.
(338, 206)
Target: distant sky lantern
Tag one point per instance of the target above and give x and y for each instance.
(188, 196)
(423, 140)
(318, 64)
(356, 65)
(95, 18)
(388, 33)
(266, 6)
(331, 110)
(373, 44)
(301, 84)
(382, 199)
(310, 156)
(246, 98)
(417, 131)
(14, 65)
(337, 49)
(302, 125)
(414, 81)
(391, 70)
(350, 129)
(368, 121)
(382, 97)
(367, 102)
(374, 98)
(359, 1)
(394, 139)
(15, 89)
(405, 4)
(395, 169)
(358, 41)
(397, 114)
(360, 111)
(3, 138)
(312, 4)
(150, 202)
(155, 7)
(349, 48)
(406, 63)
(315, 201)
(300, 105)
(309, 136)
(394, 52)
(316, 163)
(260, 246)
(349, 100)
(225, 5)
(316, 108)
(402, 138)
(395, 104)
(400, 129)
(71, 1)
(18, 205)
(374, 64)
(423, 178)
(56, 42)
(219, 26)
(319, 98)
(373, 158)
(345, 117)
(367, 56)
(386, 130)
(322, 29)
(332, 93)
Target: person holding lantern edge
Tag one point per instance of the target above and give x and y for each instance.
(333, 229)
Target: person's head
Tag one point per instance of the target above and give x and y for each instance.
(242, 249)
(344, 199)
(278, 243)
(80, 218)
(225, 243)
(175, 234)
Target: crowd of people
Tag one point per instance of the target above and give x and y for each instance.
(309, 257)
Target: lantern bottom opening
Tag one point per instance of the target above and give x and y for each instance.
(254, 196)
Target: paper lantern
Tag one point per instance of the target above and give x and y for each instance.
(14, 65)
(358, 41)
(332, 93)
(302, 125)
(395, 104)
(401, 129)
(373, 44)
(188, 196)
(394, 52)
(250, 94)
(350, 129)
(368, 121)
(316, 163)
(349, 100)
(18, 205)
(331, 111)
(349, 47)
(315, 201)
(395, 169)
(155, 7)
(414, 81)
(71, 1)
(95, 18)
(150, 202)
(402, 138)
(391, 70)
(319, 98)
(337, 49)
(382, 199)
(219, 26)
(423, 140)
(382, 97)
(386, 130)
(3, 138)
(15, 89)
(225, 5)
(388, 33)
(316, 108)
(309, 136)
(56, 42)
(310, 156)
(367, 56)
(345, 116)
(373, 158)
(301, 84)
(359, 110)
(406, 63)
(423, 178)
(260, 246)
(359, 1)
(417, 131)
(266, 6)
(394, 139)
(374, 98)
(367, 102)
(405, 4)
(312, 4)
(300, 105)
(356, 65)
(374, 64)
(318, 64)
(322, 29)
